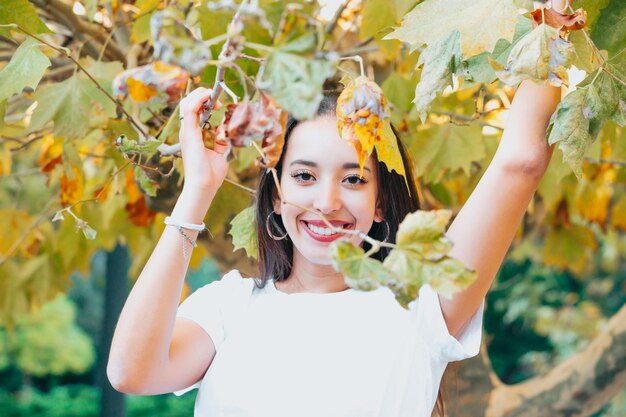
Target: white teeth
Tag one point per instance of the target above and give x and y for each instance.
(324, 231)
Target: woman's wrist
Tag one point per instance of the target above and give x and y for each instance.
(192, 205)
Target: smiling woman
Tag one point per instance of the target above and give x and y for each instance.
(297, 340)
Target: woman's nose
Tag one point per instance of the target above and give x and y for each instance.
(327, 199)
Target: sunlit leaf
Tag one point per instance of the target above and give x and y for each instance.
(580, 115)
(295, 82)
(25, 69)
(442, 61)
(446, 148)
(67, 103)
(541, 55)
(244, 233)
(431, 21)
(22, 13)
(359, 271)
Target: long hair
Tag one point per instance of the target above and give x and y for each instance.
(394, 199)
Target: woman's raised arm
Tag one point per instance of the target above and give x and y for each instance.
(484, 228)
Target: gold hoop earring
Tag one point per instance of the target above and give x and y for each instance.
(269, 229)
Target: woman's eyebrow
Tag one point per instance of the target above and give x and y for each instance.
(347, 165)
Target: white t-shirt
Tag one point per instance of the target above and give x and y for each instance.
(345, 354)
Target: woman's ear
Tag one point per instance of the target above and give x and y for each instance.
(378, 215)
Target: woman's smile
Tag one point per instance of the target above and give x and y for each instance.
(318, 230)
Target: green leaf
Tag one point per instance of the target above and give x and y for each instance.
(422, 227)
(22, 13)
(582, 113)
(67, 103)
(480, 24)
(87, 230)
(478, 70)
(446, 148)
(25, 69)
(609, 34)
(583, 52)
(295, 82)
(244, 233)
(399, 90)
(541, 55)
(420, 256)
(360, 272)
(441, 60)
(148, 185)
(448, 276)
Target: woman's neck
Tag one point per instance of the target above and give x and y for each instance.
(312, 278)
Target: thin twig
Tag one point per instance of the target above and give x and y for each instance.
(243, 187)
(454, 118)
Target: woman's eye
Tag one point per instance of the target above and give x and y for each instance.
(302, 176)
(355, 180)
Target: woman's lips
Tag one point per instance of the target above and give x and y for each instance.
(324, 238)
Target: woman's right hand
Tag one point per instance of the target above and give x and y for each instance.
(205, 169)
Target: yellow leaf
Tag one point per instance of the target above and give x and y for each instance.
(361, 111)
(139, 213)
(388, 151)
(618, 213)
(50, 153)
(139, 91)
(5, 159)
(592, 201)
(570, 247)
(71, 188)
(14, 230)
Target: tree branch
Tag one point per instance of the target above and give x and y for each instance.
(86, 31)
(578, 387)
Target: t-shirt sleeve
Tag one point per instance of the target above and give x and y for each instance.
(214, 307)
(431, 324)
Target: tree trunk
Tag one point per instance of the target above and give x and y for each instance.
(578, 387)
(113, 403)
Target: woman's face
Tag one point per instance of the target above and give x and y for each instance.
(320, 171)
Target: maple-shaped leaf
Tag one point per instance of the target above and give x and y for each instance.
(480, 23)
(420, 256)
(361, 111)
(23, 14)
(151, 82)
(446, 149)
(360, 272)
(442, 61)
(67, 103)
(541, 55)
(244, 233)
(295, 82)
(579, 117)
(25, 69)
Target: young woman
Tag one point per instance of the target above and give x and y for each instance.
(300, 342)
